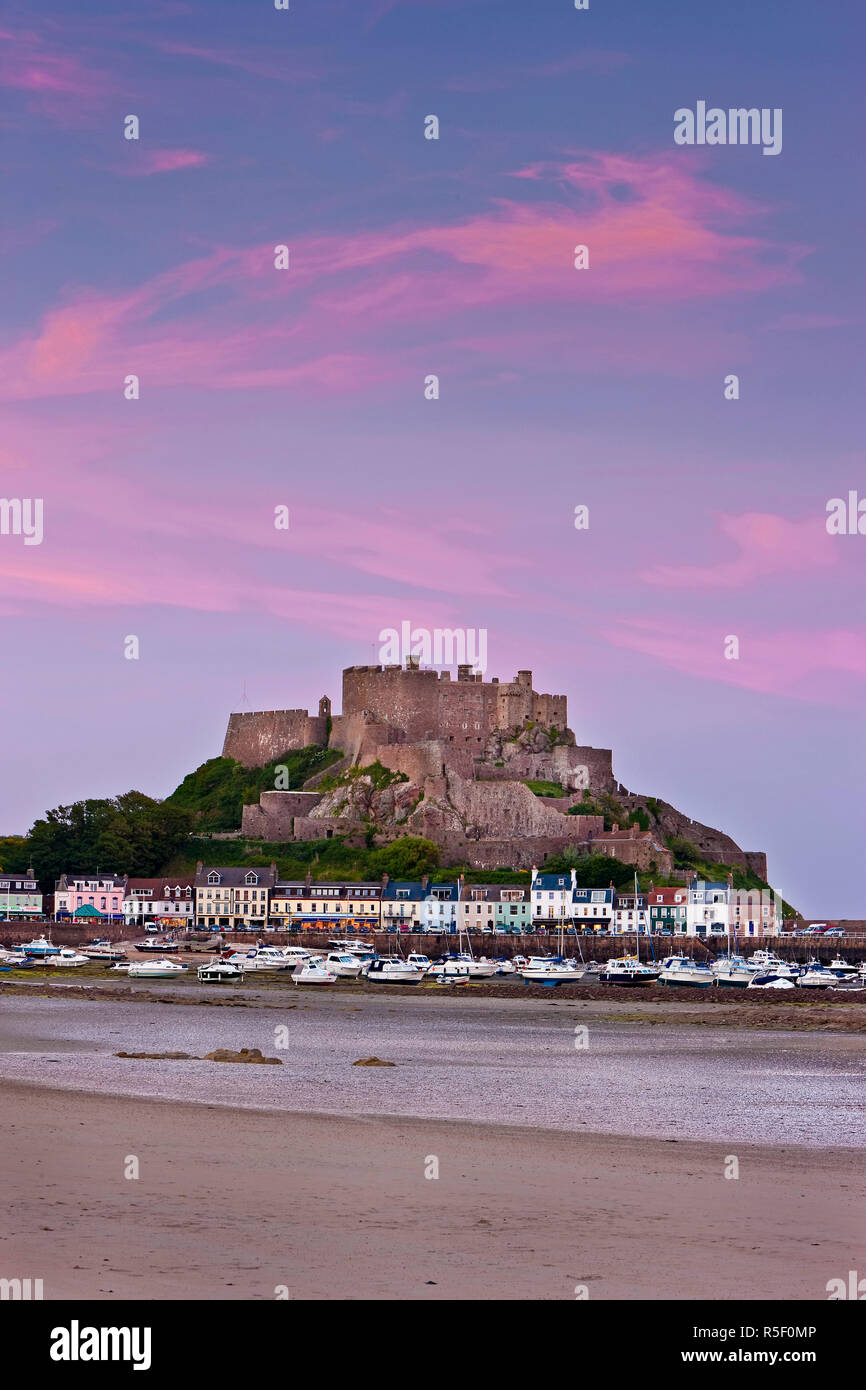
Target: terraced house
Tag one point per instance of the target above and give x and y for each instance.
(494, 907)
(236, 899)
(153, 900)
(19, 896)
(349, 906)
(89, 896)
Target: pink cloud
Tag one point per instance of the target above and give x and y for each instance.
(819, 665)
(676, 239)
(161, 162)
(766, 545)
(60, 86)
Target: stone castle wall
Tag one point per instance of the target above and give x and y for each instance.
(257, 738)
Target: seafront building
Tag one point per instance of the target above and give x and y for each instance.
(85, 896)
(19, 896)
(251, 899)
(233, 898)
(157, 902)
(351, 906)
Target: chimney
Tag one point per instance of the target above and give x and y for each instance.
(199, 867)
(425, 879)
(384, 881)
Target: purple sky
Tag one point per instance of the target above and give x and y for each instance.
(558, 387)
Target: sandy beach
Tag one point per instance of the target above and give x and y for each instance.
(231, 1205)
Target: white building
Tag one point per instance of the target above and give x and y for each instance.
(552, 898)
(156, 900)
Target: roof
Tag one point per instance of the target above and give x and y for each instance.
(493, 892)
(235, 876)
(183, 881)
(415, 893)
(585, 895)
(552, 882)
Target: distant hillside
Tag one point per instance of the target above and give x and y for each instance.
(217, 791)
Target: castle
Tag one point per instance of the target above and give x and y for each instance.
(460, 754)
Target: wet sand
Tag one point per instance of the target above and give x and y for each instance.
(232, 1205)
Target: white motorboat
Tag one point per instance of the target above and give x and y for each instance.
(393, 970)
(419, 961)
(314, 971)
(38, 948)
(841, 969)
(628, 970)
(506, 967)
(684, 970)
(767, 962)
(159, 969)
(769, 979)
(67, 957)
(122, 966)
(102, 951)
(216, 971)
(480, 969)
(344, 964)
(815, 976)
(267, 958)
(448, 970)
(733, 970)
(355, 946)
(542, 971)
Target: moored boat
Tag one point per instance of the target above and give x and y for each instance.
(216, 972)
(346, 965)
(628, 970)
(38, 948)
(393, 970)
(683, 970)
(733, 971)
(314, 971)
(67, 957)
(160, 969)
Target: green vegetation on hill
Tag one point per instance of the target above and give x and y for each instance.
(613, 811)
(380, 777)
(541, 788)
(329, 860)
(125, 834)
(217, 792)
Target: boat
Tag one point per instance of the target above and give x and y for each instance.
(267, 958)
(38, 948)
(102, 951)
(67, 957)
(506, 967)
(857, 981)
(419, 961)
(123, 966)
(346, 965)
(542, 970)
(216, 972)
(768, 962)
(393, 970)
(158, 946)
(480, 969)
(815, 976)
(159, 969)
(448, 969)
(314, 971)
(733, 971)
(628, 970)
(770, 979)
(683, 970)
(355, 946)
(841, 969)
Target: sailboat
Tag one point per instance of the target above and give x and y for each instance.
(630, 970)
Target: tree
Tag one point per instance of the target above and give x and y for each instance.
(409, 857)
(130, 834)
